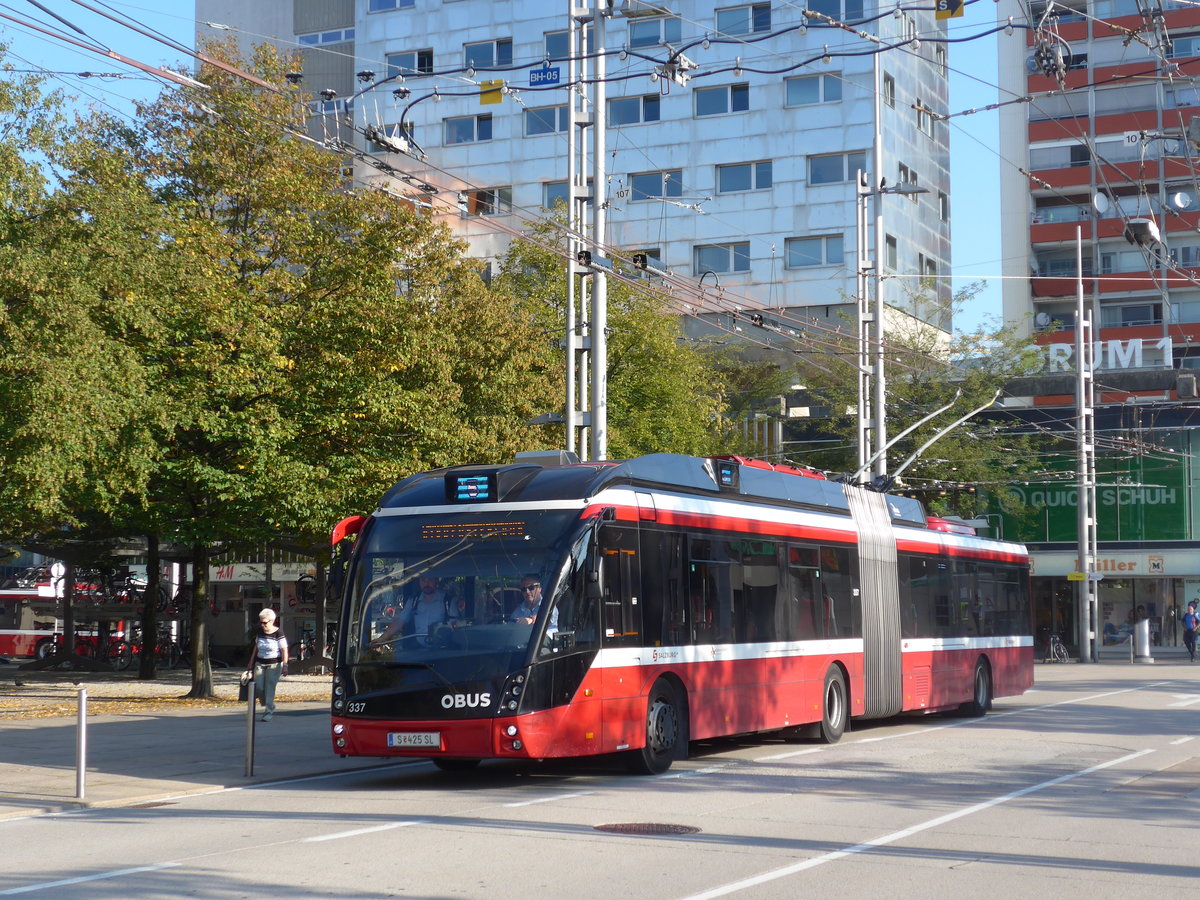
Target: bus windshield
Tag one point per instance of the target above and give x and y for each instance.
(455, 597)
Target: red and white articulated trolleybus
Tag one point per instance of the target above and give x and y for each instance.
(681, 599)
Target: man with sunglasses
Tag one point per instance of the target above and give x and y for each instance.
(531, 601)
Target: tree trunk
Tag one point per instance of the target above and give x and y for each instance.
(202, 682)
(148, 661)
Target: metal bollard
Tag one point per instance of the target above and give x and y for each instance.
(1141, 641)
(250, 728)
(81, 746)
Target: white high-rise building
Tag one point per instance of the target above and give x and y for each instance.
(744, 175)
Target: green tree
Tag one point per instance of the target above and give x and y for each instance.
(664, 393)
(285, 347)
(927, 369)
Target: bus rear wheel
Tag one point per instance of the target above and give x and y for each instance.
(665, 732)
(835, 709)
(981, 701)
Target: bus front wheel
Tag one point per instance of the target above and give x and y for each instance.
(665, 732)
(834, 707)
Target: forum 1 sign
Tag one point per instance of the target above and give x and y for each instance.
(1132, 354)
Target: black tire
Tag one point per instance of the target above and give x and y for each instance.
(981, 702)
(44, 648)
(454, 764)
(666, 732)
(121, 656)
(1060, 652)
(835, 707)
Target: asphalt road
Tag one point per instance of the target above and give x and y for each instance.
(1084, 787)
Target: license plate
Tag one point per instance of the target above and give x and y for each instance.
(431, 739)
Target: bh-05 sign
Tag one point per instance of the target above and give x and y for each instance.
(545, 75)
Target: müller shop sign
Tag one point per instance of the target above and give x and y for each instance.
(1129, 354)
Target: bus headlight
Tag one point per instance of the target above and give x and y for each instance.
(511, 730)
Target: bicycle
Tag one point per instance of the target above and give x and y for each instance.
(1056, 649)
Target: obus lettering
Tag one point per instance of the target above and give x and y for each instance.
(466, 701)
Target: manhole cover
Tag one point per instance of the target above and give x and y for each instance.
(647, 828)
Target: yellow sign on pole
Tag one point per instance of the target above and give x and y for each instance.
(1077, 576)
(950, 9)
(489, 91)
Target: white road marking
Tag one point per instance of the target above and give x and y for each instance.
(776, 874)
(1186, 700)
(356, 832)
(83, 879)
(549, 799)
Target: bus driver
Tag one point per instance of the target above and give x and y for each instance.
(531, 601)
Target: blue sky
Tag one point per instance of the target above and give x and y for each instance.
(974, 162)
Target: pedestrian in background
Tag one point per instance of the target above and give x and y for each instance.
(268, 660)
(1190, 621)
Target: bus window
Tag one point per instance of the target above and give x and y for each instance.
(664, 612)
(710, 595)
(843, 617)
(620, 585)
(576, 611)
(803, 591)
(755, 590)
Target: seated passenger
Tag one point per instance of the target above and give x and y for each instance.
(531, 601)
(421, 614)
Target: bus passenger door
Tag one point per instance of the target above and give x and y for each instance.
(624, 716)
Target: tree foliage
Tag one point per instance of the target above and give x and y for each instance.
(234, 344)
(925, 370)
(665, 394)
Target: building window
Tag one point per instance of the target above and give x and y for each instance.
(468, 129)
(384, 5)
(908, 176)
(809, 89)
(555, 191)
(924, 118)
(940, 60)
(410, 62)
(834, 168)
(889, 90)
(825, 250)
(488, 54)
(633, 110)
(650, 185)
(943, 206)
(744, 177)
(891, 252)
(842, 10)
(653, 32)
(744, 19)
(337, 36)
(557, 44)
(487, 202)
(546, 120)
(926, 266)
(727, 98)
(1184, 45)
(722, 258)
